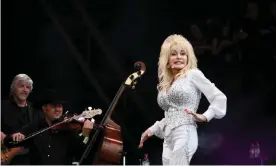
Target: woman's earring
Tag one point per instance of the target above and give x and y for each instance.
(168, 66)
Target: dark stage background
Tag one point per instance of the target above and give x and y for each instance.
(86, 49)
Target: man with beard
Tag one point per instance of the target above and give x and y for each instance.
(17, 112)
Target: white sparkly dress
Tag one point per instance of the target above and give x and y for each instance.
(178, 129)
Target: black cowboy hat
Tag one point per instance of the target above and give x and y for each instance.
(49, 96)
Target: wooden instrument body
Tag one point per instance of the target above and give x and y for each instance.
(7, 154)
(112, 147)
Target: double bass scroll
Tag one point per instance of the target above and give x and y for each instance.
(111, 148)
(131, 81)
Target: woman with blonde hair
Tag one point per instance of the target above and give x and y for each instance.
(179, 92)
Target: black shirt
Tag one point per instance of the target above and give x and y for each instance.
(54, 147)
(13, 119)
(62, 146)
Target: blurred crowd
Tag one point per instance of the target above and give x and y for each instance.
(241, 48)
(238, 54)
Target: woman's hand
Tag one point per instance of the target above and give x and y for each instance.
(144, 137)
(198, 117)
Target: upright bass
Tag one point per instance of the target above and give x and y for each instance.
(111, 147)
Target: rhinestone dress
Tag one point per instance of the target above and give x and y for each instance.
(185, 93)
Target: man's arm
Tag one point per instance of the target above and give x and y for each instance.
(79, 141)
(25, 131)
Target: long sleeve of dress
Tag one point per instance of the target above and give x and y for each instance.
(216, 98)
(158, 128)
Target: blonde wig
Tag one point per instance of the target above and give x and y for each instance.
(164, 73)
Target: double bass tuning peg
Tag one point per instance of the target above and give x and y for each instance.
(133, 84)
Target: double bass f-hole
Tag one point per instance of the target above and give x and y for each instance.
(111, 148)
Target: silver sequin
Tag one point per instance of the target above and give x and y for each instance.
(185, 93)
(182, 95)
